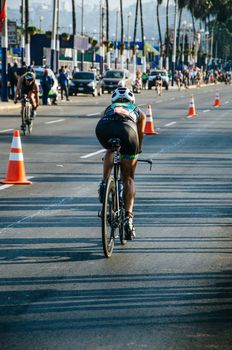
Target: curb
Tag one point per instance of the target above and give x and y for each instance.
(7, 106)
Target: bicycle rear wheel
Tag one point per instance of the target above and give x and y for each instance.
(23, 116)
(28, 119)
(108, 218)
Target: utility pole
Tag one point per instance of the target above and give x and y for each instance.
(53, 40)
(174, 43)
(102, 16)
(4, 89)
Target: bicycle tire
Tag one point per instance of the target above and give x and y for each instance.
(23, 116)
(108, 216)
(121, 222)
(28, 119)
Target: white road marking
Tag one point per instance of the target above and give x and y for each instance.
(226, 102)
(206, 110)
(93, 154)
(89, 115)
(3, 187)
(6, 130)
(55, 121)
(169, 124)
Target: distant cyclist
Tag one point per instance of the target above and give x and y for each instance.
(27, 85)
(124, 120)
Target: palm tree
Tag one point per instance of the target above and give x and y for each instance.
(74, 27)
(27, 35)
(107, 33)
(74, 30)
(159, 2)
(122, 33)
(142, 34)
(135, 26)
(167, 35)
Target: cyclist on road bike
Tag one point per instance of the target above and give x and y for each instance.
(124, 120)
(27, 85)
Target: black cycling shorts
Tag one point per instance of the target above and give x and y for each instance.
(122, 128)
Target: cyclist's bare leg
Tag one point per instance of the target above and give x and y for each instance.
(108, 164)
(128, 169)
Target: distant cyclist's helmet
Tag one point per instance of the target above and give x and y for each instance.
(29, 78)
(123, 94)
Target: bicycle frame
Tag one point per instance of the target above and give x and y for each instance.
(26, 113)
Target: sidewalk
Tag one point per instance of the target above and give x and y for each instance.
(8, 106)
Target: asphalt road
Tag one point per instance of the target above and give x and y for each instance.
(169, 289)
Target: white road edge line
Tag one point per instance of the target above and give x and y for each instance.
(6, 130)
(169, 124)
(3, 187)
(93, 154)
(55, 121)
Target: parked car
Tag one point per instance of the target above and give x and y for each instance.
(53, 93)
(115, 78)
(85, 83)
(154, 74)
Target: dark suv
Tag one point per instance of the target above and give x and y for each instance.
(85, 83)
(114, 78)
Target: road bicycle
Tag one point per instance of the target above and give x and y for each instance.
(113, 212)
(26, 110)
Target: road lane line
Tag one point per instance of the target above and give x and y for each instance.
(91, 114)
(93, 154)
(55, 121)
(3, 187)
(206, 110)
(6, 130)
(226, 102)
(169, 124)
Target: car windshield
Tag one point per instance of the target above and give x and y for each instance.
(114, 74)
(158, 73)
(82, 75)
(39, 74)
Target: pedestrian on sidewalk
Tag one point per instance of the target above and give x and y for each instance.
(46, 84)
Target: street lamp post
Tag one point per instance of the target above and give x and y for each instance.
(4, 89)
(102, 15)
(206, 48)
(128, 38)
(183, 41)
(41, 18)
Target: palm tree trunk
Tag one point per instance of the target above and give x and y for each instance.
(122, 34)
(178, 36)
(167, 35)
(160, 34)
(107, 33)
(74, 26)
(142, 33)
(27, 35)
(134, 39)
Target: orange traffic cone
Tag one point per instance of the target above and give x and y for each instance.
(217, 102)
(16, 171)
(149, 127)
(192, 109)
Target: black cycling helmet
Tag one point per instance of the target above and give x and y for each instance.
(123, 94)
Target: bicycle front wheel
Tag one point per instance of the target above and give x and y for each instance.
(108, 218)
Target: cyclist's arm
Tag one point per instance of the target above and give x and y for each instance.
(141, 123)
